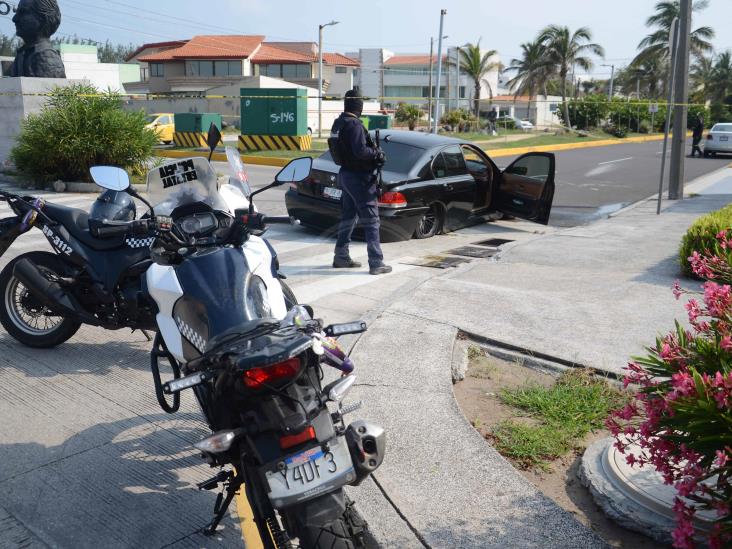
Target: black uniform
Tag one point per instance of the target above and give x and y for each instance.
(698, 132)
(358, 158)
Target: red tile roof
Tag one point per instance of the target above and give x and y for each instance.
(339, 59)
(272, 54)
(156, 45)
(241, 47)
(210, 47)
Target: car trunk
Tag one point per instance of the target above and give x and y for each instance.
(323, 182)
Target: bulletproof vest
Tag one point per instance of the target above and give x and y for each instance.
(340, 149)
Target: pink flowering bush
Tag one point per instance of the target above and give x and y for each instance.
(681, 415)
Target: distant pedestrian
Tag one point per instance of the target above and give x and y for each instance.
(357, 155)
(698, 132)
(492, 118)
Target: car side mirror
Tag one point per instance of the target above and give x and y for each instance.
(296, 171)
(110, 177)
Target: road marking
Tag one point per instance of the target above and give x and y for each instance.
(614, 161)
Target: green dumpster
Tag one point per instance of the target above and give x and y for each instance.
(378, 121)
(196, 122)
(274, 111)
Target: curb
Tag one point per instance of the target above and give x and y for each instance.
(571, 146)
(221, 157)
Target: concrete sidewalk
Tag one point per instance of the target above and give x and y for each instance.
(592, 295)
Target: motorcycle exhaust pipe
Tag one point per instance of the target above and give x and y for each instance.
(51, 294)
(367, 444)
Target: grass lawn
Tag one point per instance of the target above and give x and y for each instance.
(556, 418)
(541, 140)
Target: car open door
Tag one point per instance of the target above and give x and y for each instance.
(526, 188)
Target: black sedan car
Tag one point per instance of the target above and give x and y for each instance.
(432, 184)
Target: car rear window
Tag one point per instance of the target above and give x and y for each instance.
(722, 128)
(400, 158)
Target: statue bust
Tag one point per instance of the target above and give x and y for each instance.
(35, 22)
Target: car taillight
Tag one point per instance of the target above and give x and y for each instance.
(288, 441)
(259, 377)
(391, 199)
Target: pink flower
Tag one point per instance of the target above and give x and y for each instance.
(677, 290)
(726, 343)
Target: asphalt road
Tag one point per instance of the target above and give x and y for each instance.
(590, 183)
(594, 182)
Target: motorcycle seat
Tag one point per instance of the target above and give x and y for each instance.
(76, 221)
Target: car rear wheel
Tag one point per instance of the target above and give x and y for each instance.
(430, 223)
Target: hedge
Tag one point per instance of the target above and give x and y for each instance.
(702, 234)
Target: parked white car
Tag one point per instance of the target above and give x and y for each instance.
(523, 124)
(719, 140)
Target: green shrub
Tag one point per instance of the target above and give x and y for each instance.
(616, 131)
(78, 128)
(506, 122)
(408, 114)
(702, 236)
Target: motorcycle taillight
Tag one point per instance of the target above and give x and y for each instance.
(257, 378)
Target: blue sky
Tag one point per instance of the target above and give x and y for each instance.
(400, 25)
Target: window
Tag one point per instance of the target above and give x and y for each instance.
(289, 70)
(144, 71)
(439, 169)
(341, 70)
(355, 73)
(400, 158)
(476, 164)
(208, 69)
(227, 68)
(454, 161)
(157, 69)
(165, 120)
(426, 91)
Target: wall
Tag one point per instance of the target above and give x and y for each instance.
(81, 63)
(340, 83)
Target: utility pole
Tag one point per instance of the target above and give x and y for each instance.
(457, 78)
(612, 81)
(439, 68)
(429, 107)
(681, 98)
(673, 47)
(320, 75)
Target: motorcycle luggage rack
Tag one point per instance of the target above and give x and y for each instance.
(159, 351)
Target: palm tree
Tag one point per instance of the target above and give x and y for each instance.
(720, 85)
(700, 78)
(532, 70)
(477, 65)
(565, 50)
(656, 45)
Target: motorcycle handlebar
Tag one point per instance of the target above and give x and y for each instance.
(283, 220)
(132, 228)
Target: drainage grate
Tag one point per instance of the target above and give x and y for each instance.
(471, 251)
(437, 261)
(495, 242)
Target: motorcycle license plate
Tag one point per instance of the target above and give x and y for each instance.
(332, 192)
(309, 474)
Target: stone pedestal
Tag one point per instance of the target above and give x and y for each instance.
(634, 497)
(20, 97)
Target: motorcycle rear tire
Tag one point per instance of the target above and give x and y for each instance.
(345, 532)
(41, 339)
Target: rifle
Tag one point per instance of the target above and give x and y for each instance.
(379, 181)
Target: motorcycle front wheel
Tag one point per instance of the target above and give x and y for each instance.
(23, 316)
(290, 299)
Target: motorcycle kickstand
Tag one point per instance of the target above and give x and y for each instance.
(221, 507)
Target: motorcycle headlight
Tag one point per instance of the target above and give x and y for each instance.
(257, 299)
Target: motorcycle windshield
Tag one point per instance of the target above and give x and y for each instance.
(183, 182)
(220, 297)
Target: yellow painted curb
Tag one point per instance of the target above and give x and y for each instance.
(249, 530)
(569, 146)
(221, 157)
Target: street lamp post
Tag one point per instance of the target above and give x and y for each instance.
(612, 81)
(320, 75)
(432, 62)
(439, 68)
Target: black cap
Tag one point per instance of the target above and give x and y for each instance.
(354, 102)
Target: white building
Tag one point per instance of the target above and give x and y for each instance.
(82, 63)
(401, 78)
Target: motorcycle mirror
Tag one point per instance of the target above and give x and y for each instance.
(296, 171)
(213, 139)
(110, 177)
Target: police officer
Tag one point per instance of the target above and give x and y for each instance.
(353, 150)
(698, 133)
